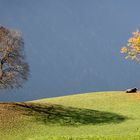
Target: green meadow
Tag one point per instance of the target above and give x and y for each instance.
(91, 116)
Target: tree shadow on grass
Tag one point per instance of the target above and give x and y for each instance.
(62, 115)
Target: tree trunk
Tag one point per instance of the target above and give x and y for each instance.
(1, 71)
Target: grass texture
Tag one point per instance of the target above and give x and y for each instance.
(91, 116)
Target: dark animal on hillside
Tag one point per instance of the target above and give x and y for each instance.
(131, 90)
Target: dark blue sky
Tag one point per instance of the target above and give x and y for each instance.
(73, 46)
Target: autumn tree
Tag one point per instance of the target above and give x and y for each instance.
(132, 49)
(14, 69)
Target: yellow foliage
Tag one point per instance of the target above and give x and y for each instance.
(123, 50)
(132, 49)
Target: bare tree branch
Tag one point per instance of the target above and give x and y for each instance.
(14, 69)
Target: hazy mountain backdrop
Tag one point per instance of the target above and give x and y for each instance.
(73, 46)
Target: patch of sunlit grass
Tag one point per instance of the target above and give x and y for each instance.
(99, 116)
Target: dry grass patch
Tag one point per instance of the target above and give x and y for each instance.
(10, 116)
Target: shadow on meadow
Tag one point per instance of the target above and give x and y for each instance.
(62, 115)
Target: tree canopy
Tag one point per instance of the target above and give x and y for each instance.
(14, 69)
(132, 49)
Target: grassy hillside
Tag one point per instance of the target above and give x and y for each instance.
(90, 116)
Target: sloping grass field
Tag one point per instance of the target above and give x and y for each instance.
(90, 116)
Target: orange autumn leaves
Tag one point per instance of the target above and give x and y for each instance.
(132, 49)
